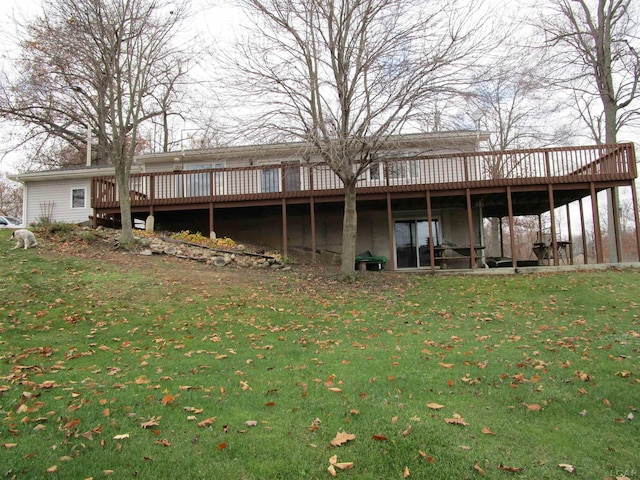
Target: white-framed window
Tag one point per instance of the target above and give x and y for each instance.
(78, 197)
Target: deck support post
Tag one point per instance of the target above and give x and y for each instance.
(472, 242)
(285, 231)
(432, 250)
(636, 215)
(512, 239)
(312, 214)
(392, 256)
(501, 238)
(613, 195)
(554, 239)
(585, 254)
(569, 251)
(597, 233)
(211, 224)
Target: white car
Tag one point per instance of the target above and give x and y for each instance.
(10, 222)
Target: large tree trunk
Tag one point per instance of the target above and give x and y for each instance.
(124, 196)
(349, 232)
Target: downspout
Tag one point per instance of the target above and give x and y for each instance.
(25, 197)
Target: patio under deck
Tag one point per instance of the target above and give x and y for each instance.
(507, 184)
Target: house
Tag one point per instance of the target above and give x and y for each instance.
(421, 202)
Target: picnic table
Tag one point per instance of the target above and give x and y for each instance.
(368, 261)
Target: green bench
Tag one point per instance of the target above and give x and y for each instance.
(369, 261)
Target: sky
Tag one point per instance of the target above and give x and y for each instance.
(215, 19)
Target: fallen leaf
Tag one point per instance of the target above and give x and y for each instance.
(329, 381)
(167, 400)
(207, 421)
(406, 432)
(567, 467)
(341, 438)
(152, 422)
(333, 461)
(164, 442)
(380, 438)
(478, 468)
(435, 406)
(456, 420)
(122, 436)
(446, 365)
(428, 458)
(251, 423)
(332, 471)
(509, 469)
(222, 446)
(10, 445)
(534, 407)
(585, 377)
(142, 380)
(406, 472)
(487, 431)
(335, 389)
(72, 424)
(52, 469)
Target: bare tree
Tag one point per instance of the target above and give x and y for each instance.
(10, 198)
(344, 75)
(596, 46)
(106, 64)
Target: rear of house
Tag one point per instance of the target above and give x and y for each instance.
(422, 202)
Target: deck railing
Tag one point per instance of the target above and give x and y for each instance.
(436, 172)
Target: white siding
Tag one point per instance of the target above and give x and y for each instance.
(53, 199)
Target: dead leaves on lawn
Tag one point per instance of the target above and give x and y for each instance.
(341, 438)
(333, 464)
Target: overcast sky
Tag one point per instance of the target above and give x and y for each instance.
(212, 22)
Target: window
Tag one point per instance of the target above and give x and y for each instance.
(413, 239)
(78, 198)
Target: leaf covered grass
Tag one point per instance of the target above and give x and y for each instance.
(134, 374)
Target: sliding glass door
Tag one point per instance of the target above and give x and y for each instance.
(412, 242)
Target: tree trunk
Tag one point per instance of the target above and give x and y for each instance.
(349, 232)
(124, 196)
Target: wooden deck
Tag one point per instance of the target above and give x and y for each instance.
(564, 169)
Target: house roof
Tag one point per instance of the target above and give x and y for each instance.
(65, 174)
(425, 142)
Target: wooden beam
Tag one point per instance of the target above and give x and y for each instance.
(472, 241)
(392, 253)
(636, 215)
(585, 253)
(285, 231)
(514, 257)
(432, 251)
(312, 213)
(552, 213)
(597, 233)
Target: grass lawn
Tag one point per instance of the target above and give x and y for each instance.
(114, 365)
